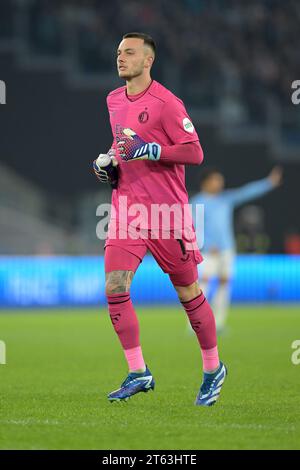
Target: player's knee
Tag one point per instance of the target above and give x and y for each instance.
(224, 280)
(118, 282)
(186, 293)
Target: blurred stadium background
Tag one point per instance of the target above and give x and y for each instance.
(231, 62)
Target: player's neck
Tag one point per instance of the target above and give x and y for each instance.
(138, 85)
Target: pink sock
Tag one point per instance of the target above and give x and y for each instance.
(203, 323)
(135, 358)
(126, 325)
(210, 358)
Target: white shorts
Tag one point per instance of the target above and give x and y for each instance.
(217, 265)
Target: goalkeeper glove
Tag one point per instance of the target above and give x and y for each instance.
(105, 168)
(132, 147)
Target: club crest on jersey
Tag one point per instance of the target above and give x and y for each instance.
(143, 117)
(188, 125)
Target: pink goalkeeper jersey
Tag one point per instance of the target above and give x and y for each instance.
(156, 116)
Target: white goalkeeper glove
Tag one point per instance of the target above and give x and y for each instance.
(105, 168)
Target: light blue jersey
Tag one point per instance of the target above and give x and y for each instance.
(218, 213)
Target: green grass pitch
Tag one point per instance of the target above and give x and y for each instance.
(61, 365)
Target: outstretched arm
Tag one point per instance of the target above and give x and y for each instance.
(255, 189)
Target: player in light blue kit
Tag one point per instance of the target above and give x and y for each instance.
(218, 238)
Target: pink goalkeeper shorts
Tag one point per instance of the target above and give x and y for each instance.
(176, 257)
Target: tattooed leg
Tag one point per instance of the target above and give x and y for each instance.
(118, 281)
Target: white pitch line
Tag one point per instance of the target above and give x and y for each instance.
(49, 422)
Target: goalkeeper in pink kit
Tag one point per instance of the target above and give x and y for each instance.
(153, 138)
